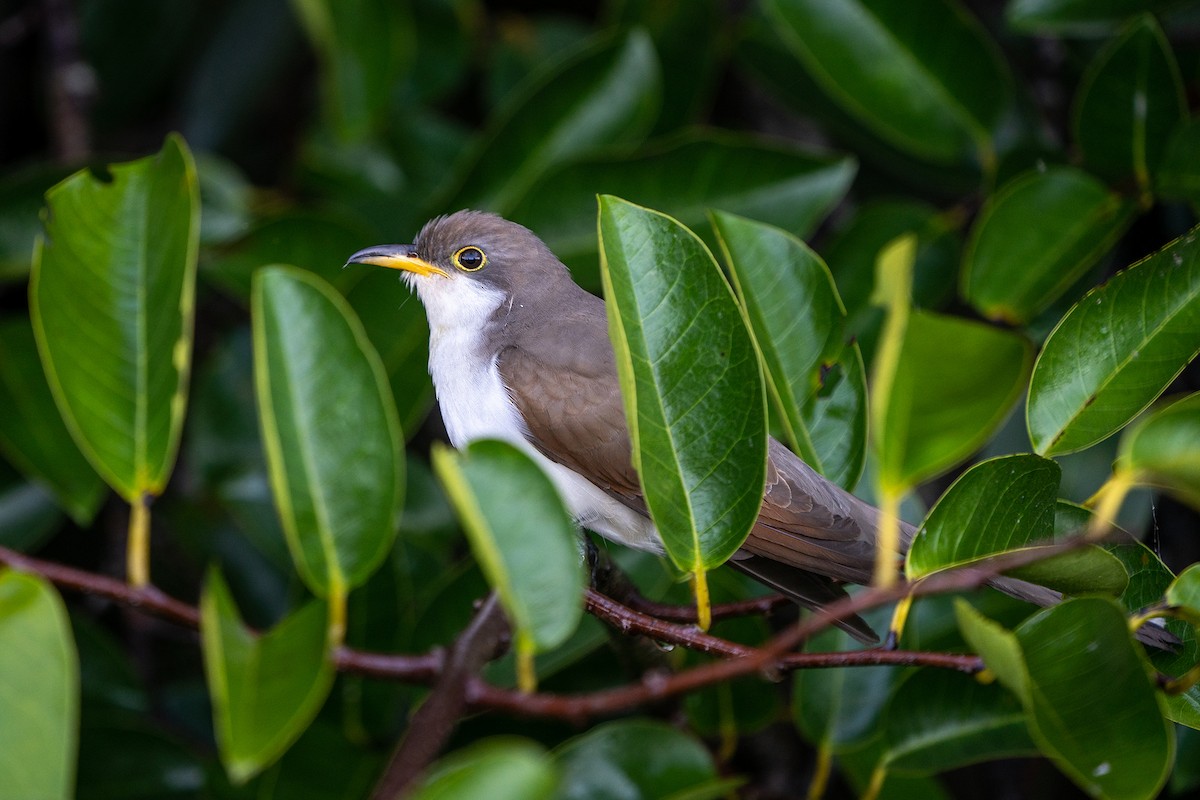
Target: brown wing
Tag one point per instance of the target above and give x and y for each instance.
(562, 378)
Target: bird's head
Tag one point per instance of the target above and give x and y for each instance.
(469, 255)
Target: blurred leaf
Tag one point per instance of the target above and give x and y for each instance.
(265, 688)
(1178, 176)
(498, 769)
(1077, 17)
(779, 185)
(111, 298)
(1164, 448)
(363, 46)
(1090, 570)
(939, 98)
(1128, 104)
(605, 95)
(528, 551)
(798, 324)
(330, 429)
(32, 433)
(636, 758)
(1116, 350)
(1036, 237)
(39, 690)
(853, 250)
(1186, 775)
(943, 385)
(225, 198)
(524, 44)
(21, 202)
(303, 773)
(1184, 593)
(940, 720)
(995, 506)
(694, 397)
(237, 68)
(688, 72)
(448, 35)
(313, 241)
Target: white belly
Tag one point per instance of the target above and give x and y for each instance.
(475, 405)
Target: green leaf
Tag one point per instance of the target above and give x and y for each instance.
(997, 646)
(265, 688)
(954, 382)
(498, 769)
(1090, 570)
(694, 396)
(32, 433)
(1036, 237)
(798, 324)
(936, 97)
(1164, 448)
(1091, 701)
(780, 185)
(1184, 593)
(939, 720)
(636, 758)
(527, 550)
(1116, 350)
(1077, 17)
(39, 690)
(606, 95)
(996, 505)
(111, 298)
(1128, 104)
(329, 428)
(357, 79)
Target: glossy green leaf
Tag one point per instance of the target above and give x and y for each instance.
(1116, 350)
(112, 299)
(1164, 448)
(1092, 701)
(329, 428)
(997, 646)
(798, 324)
(636, 758)
(32, 433)
(1077, 17)
(693, 389)
(937, 97)
(1036, 237)
(265, 688)
(954, 382)
(498, 769)
(996, 505)
(606, 95)
(1090, 570)
(1184, 593)
(777, 184)
(357, 80)
(940, 720)
(39, 690)
(1128, 104)
(1178, 176)
(527, 550)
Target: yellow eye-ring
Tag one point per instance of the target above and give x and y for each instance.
(469, 259)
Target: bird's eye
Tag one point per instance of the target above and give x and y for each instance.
(469, 259)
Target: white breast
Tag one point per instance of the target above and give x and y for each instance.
(475, 404)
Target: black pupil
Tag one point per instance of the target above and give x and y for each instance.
(470, 258)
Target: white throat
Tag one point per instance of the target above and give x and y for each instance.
(476, 405)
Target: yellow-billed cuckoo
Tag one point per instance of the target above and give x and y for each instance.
(518, 351)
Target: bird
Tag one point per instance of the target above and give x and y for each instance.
(520, 352)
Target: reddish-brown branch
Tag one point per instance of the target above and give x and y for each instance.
(675, 613)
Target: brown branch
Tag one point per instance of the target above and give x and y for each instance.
(438, 716)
